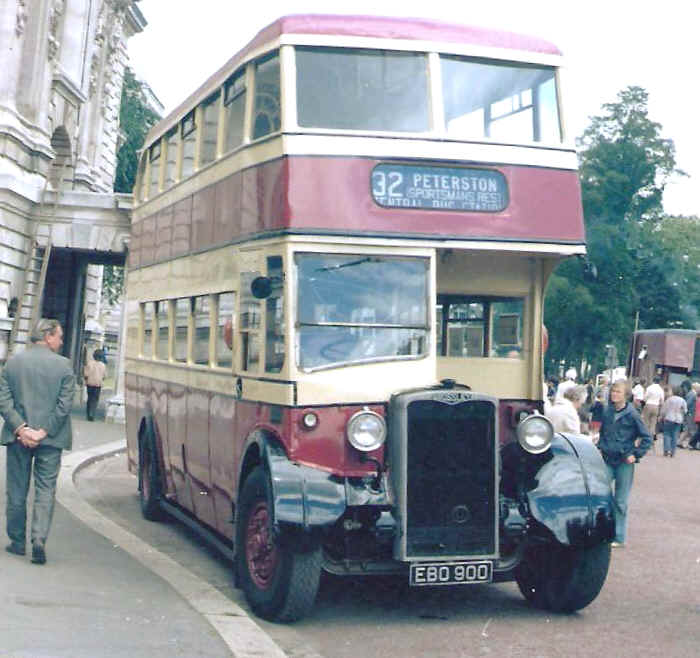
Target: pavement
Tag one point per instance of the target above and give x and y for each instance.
(106, 593)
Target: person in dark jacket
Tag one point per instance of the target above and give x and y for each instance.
(624, 440)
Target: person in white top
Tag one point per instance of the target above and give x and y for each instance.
(563, 414)
(653, 399)
(638, 394)
(673, 413)
(94, 373)
(568, 383)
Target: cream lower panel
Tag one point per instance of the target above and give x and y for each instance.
(213, 381)
(502, 378)
(213, 271)
(265, 390)
(372, 382)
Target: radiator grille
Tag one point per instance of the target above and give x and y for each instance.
(451, 478)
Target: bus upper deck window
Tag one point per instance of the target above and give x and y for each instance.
(155, 170)
(513, 103)
(171, 143)
(210, 119)
(355, 89)
(234, 110)
(266, 114)
(188, 131)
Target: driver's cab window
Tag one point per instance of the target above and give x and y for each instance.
(479, 326)
(249, 324)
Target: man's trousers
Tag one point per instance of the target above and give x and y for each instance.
(47, 463)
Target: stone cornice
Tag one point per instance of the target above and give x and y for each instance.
(136, 21)
(65, 85)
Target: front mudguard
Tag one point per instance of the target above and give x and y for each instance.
(302, 496)
(573, 497)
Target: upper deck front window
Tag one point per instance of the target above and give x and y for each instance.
(354, 89)
(360, 308)
(512, 103)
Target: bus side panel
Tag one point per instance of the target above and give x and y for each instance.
(164, 230)
(134, 413)
(159, 397)
(203, 218)
(177, 431)
(197, 455)
(544, 204)
(222, 457)
(227, 209)
(264, 203)
(182, 217)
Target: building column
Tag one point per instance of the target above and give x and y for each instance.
(116, 409)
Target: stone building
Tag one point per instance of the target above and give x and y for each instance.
(62, 65)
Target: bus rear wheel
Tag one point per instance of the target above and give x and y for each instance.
(280, 582)
(562, 578)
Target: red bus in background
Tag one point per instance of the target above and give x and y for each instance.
(339, 253)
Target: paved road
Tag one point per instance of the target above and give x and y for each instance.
(92, 599)
(650, 605)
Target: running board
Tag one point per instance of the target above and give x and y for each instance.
(207, 535)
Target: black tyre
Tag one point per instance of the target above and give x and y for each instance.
(150, 490)
(279, 580)
(563, 579)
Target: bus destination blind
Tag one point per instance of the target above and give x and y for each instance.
(439, 188)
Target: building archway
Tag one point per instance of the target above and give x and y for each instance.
(61, 174)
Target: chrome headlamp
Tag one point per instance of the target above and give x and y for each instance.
(366, 431)
(535, 434)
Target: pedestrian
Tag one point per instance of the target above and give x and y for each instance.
(564, 413)
(94, 373)
(653, 399)
(638, 394)
(36, 395)
(695, 440)
(689, 427)
(672, 414)
(569, 382)
(624, 440)
(597, 409)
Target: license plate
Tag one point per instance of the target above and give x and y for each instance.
(450, 573)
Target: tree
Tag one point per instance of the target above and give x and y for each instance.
(624, 166)
(135, 120)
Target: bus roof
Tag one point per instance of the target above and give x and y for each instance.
(371, 27)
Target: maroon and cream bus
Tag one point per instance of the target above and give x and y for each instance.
(340, 248)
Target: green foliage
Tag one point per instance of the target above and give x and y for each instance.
(135, 120)
(646, 270)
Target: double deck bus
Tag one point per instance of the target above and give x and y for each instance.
(339, 252)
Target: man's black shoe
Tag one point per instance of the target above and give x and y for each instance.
(17, 549)
(38, 553)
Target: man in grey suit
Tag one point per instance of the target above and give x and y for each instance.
(36, 395)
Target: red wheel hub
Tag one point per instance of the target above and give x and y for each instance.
(260, 550)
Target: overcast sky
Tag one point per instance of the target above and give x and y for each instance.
(608, 45)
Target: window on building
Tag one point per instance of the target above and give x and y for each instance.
(224, 330)
(189, 137)
(171, 144)
(202, 323)
(266, 113)
(147, 345)
(274, 329)
(210, 121)
(163, 342)
(182, 321)
(234, 109)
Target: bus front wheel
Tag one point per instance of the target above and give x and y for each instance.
(149, 481)
(561, 578)
(279, 582)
